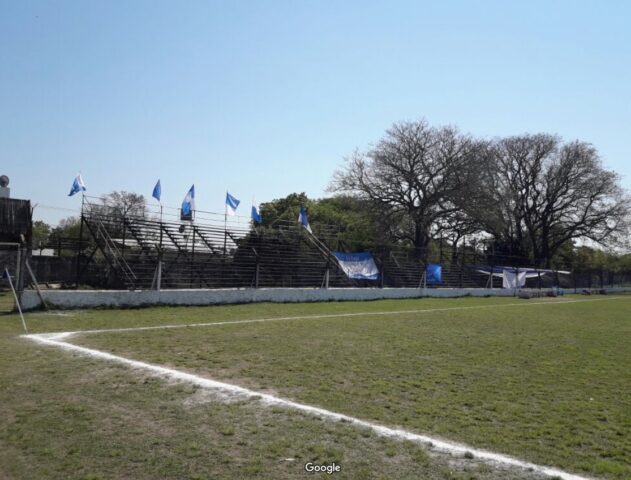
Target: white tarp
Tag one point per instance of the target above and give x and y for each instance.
(512, 279)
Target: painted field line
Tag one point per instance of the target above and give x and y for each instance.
(229, 389)
(339, 315)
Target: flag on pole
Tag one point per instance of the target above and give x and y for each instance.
(188, 204)
(77, 186)
(5, 274)
(231, 204)
(302, 218)
(256, 215)
(157, 191)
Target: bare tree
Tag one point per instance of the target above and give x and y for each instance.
(118, 207)
(122, 204)
(413, 178)
(542, 193)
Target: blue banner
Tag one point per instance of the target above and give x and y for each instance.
(358, 266)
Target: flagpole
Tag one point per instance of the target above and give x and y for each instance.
(80, 246)
(225, 224)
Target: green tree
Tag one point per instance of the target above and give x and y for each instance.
(41, 233)
(283, 210)
(346, 218)
(68, 227)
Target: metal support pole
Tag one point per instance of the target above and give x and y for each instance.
(155, 285)
(328, 268)
(17, 301)
(383, 270)
(39, 292)
(124, 235)
(461, 279)
(159, 274)
(78, 277)
(423, 281)
(192, 263)
(256, 274)
(225, 228)
(18, 271)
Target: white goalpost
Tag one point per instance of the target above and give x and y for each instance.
(7, 275)
(11, 265)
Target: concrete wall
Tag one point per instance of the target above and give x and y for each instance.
(125, 298)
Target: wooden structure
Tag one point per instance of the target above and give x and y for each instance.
(16, 223)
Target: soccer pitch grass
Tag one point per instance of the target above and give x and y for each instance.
(546, 381)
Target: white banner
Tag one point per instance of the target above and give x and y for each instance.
(359, 266)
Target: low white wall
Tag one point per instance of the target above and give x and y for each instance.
(125, 298)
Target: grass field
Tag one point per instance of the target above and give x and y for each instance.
(548, 383)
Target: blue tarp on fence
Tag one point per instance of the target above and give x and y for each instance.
(434, 274)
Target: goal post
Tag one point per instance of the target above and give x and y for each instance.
(11, 275)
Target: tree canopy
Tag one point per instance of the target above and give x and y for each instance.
(542, 193)
(530, 194)
(349, 217)
(415, 178)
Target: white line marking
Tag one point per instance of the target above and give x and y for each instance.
(338, 315)
(435, 443)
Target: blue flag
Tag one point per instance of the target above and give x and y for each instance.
(231, 204)
(5, 273)
(157, 191)
(302, 218)
(256, 215)
(188, 204)
(77, 186)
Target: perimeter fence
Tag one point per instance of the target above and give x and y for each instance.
(155, 248)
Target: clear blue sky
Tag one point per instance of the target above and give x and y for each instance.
(266, 98)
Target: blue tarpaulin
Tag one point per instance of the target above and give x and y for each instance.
(434, 274)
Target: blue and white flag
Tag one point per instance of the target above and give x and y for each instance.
(358, 266)
(302, 218)
(231, 204)
(77, 186)
(157, 191)
(188, 205)
(256, 215)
